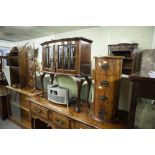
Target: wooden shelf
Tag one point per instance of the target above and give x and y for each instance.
(127, 59)
(127, 68)
(21, 107)
(122, 51)
(14, 67)
(29, 92)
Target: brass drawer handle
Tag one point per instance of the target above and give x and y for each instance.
(105, 83)
(105, 66)
(101, 114)
(37, 110)
(103, 98)
(60, 122)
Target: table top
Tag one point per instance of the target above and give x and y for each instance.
(141, 77)
(26, 91)
(84, 116)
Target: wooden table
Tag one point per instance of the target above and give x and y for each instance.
(3, 103)
(142, 87)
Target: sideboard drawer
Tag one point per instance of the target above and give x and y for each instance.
(39, 110)
(60, 120)
(79, 125)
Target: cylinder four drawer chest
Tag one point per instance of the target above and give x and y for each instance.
(107, 76)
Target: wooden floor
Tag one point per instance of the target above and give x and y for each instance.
(7, 124)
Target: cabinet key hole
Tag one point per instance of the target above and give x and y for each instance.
(37, 110)
(59, 122)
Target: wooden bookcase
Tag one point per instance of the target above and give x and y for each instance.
(18, 68)
(128, 51)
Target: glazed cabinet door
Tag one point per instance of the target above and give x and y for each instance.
(49, 58)
(19, 109)
(66, 58)
(14, 106)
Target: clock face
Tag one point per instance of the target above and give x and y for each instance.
(30, 52)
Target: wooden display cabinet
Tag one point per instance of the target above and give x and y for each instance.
(69, 57)
(106, 85)
(128, 51)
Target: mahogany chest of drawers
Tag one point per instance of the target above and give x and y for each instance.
(107, 76)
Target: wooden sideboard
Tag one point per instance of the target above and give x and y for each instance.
(45, 114)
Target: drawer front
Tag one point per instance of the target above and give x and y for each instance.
(108, 66)
(106, 104)
(79, 125)
(60, 120)
(39, 110)
(103, 96)
(110, 82)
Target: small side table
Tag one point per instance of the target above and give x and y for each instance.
(3, 103)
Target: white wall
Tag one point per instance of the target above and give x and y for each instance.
(6, 44)
(102, 36)
(153, 39)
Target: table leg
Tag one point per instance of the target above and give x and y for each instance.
(133, 104)
(79, 82)
(42, 83)
(89, 82)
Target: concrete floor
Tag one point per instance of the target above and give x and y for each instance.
(145, 114)
(7, 124)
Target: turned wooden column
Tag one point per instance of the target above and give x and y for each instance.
(52, 78)
(79, 82)
(89, 82)
(42, 83)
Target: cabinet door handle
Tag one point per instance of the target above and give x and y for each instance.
(105, 83)
(101, 114)
(105, 66)
(103, 98)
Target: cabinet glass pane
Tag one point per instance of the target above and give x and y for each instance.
(51, 57)
(72, 56)
(60, 57)
(66, 57)
(46, 57)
